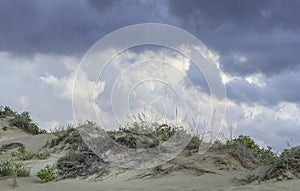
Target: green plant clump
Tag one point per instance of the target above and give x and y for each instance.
(24, 154)
(260, 153)
(61, 134)
(24, 122)
(46, 174)
(80, 163)
(6, 112)
(9, 168)
(288, 152)
(43, 156)
(71, 160)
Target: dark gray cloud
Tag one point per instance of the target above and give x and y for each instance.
(100, 5)
(250, 36)
(207, 15)
(52, 26)
(269, 53)
(67, 26)
(266, 32)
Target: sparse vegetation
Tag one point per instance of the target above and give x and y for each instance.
(246, 151)
(61, 134)
(9, 168)
(288, 152)
(241, 152)
(80, 164)
(285, 167)
(46, 174)
(24, 122)
(24, 154)
(6, 112)
(143, 133)
(42, 156)
(262, 154)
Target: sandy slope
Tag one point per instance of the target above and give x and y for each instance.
(31, 142)
(11, 132)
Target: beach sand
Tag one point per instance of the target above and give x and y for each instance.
(176, 182)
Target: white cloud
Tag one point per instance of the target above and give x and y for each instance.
(84, 91)
(257, 79)
(24, 89)
(46, 90)
(287, 111)
(138, 79)
(50, 125)
(227, 78)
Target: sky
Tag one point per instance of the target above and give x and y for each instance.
(256, 44)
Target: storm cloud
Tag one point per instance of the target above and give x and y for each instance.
(257, 43)
(68, 27)
(265, 32)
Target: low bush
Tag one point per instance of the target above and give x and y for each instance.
(259, 153)
(61, 134)
(43, 156)
(80, 164)
(24, 122)
(285, 167)
(24, 154)
(9, 168)
(6, 112)
(143, 134)
(288, 152)
(46, 174)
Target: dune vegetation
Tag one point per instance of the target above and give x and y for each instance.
(77, 160)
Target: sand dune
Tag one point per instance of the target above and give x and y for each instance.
(210, 171)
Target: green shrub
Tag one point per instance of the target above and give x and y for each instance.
(9, 168)
(24, 122)
(260, 153)
(288, 152)
(284, 167)
(6, 168)
(24, 154)
(46, 174)
(143, 134)
(164, 132)
(21, 170)
(80, 163)
(71, 160)
(128, 140)
(61, 134)
(6, 111)
(42, 156)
